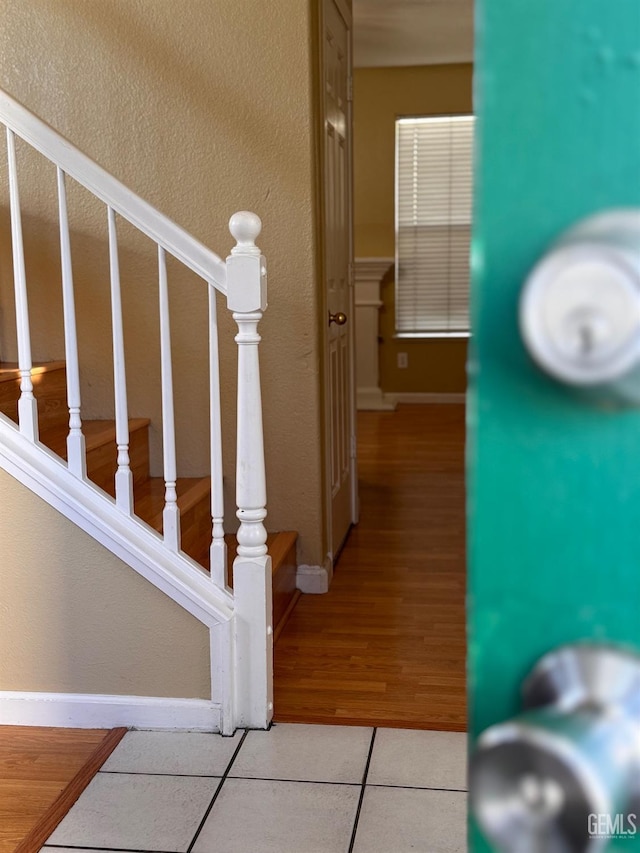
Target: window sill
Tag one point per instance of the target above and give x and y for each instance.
(419, 336)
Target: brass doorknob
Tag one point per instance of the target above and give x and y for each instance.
(339, 318)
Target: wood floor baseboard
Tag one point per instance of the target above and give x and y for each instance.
(33, 842)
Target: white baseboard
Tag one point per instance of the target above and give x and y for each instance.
(94, 711)
(315, 580)
(374, 400)
(427, 397)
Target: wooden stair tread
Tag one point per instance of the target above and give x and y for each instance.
(281, 544)
(282, 550)
(96, 433)
(278, 546)
(9, 369)
(149, 497)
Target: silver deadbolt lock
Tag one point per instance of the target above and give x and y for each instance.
(580, 307)
(565, 774)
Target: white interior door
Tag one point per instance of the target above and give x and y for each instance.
(340, 401)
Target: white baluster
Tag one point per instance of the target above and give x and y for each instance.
(76, 450)
(124, 477)
(171, 513)
(218, 553)
(246, 297)
(27, 405)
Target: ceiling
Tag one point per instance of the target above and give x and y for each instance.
(412, 32)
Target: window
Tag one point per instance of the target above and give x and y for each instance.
(433, 225)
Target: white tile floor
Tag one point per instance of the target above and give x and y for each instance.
(293, 789)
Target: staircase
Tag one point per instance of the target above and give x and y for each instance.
(194, 493)
(97, 472)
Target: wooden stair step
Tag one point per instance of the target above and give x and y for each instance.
(102, 453)
(194, 503)
(149, 497)
(49, 388)
(9, 369)
(278, 545)
(282, 550)
(96, 433)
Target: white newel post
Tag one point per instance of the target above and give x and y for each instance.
(247, 299)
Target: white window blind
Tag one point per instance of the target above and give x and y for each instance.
(434, 174)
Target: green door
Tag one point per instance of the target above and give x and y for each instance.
(554, 476)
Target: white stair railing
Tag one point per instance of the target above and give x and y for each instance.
(240, 622)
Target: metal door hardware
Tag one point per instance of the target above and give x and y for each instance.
(565, 774)
(339, 318)
(580, 307)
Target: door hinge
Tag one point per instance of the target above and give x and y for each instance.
(349, 88)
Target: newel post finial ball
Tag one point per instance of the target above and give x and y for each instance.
(245, 227)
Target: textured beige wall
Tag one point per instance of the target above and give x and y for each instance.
(380, 95)
(202, 110)
(74, 618)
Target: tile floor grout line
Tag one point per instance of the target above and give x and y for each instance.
(296, 781)
(418, 788)
(241, 778)
(346, 784)
(362, 790)
(218, 789)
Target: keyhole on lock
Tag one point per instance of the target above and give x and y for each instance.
(586, 332)
(586, 339)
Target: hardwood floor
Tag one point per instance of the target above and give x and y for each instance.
(386, 645)
(42, 772)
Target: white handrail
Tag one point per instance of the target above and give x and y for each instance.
(130, 206)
